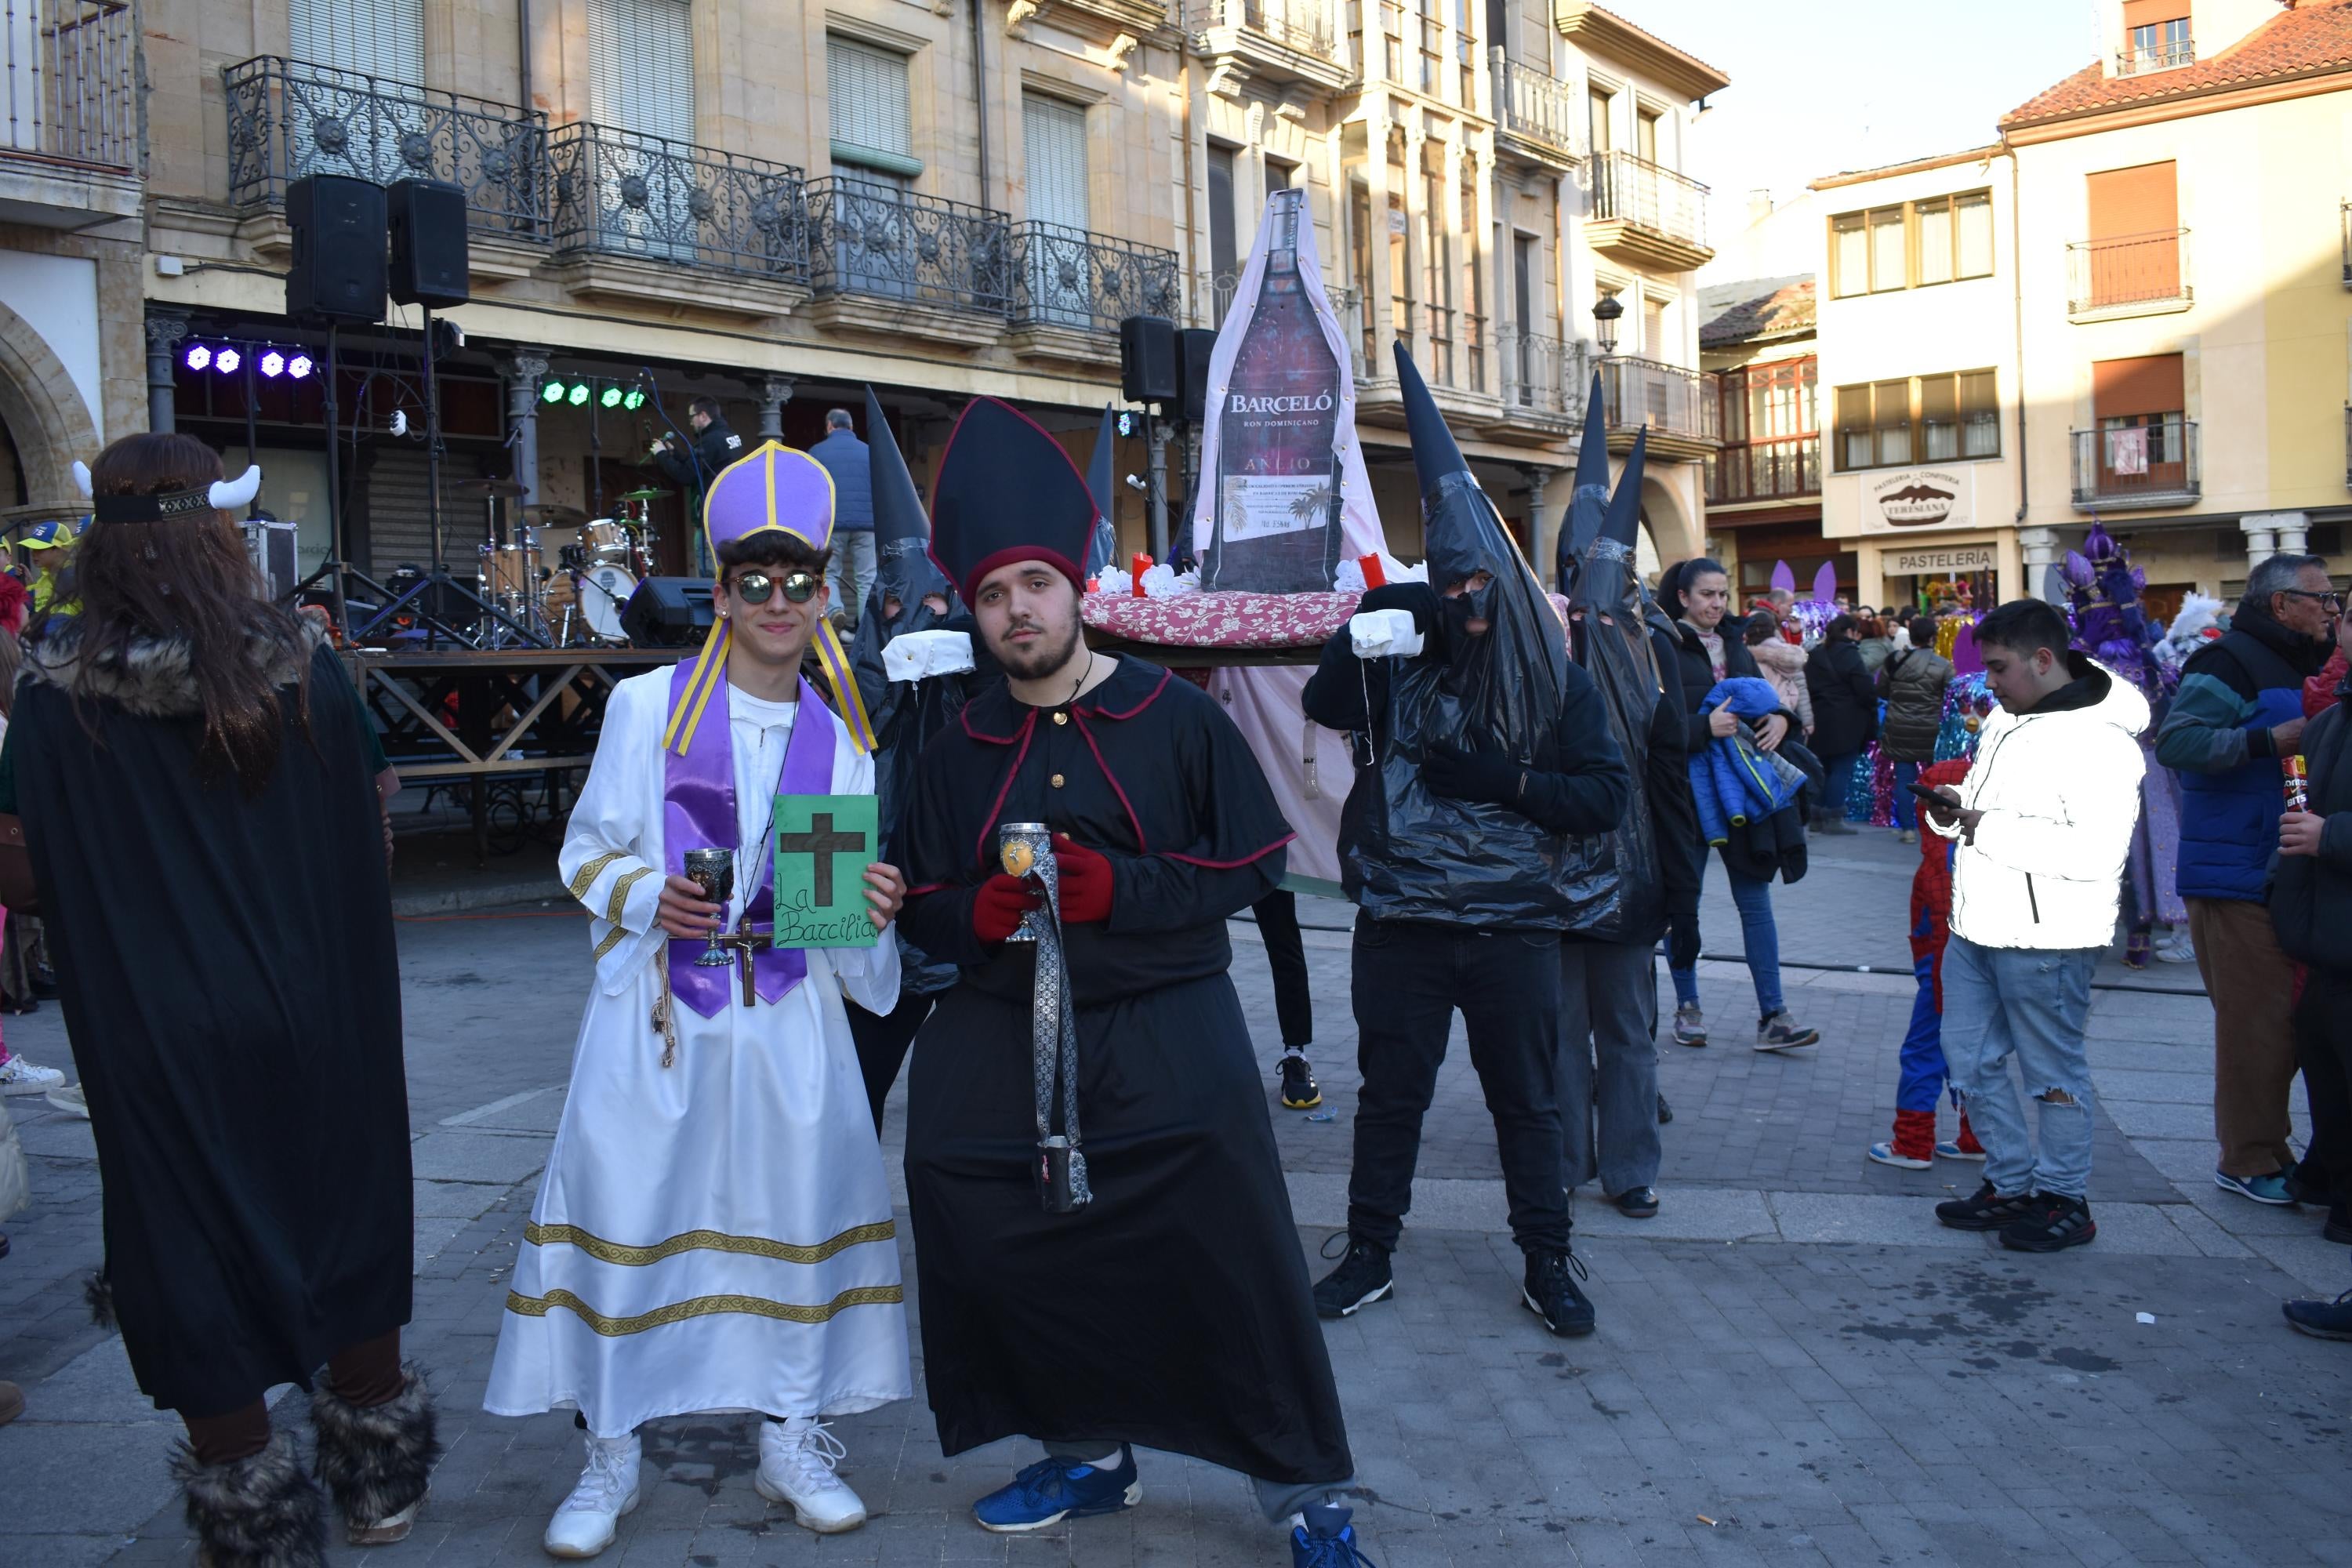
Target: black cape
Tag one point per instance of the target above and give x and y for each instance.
(232, 992)
(1173, 1311)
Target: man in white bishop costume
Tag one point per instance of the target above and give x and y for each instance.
(714, 1231)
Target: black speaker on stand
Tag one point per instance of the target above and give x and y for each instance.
(669, 612)
(336, 276)
(430, 265)
(1147, 360)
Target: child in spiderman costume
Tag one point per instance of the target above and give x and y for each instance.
(1923, 1078)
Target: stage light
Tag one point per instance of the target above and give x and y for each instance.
(226, 361)
(273, 364)
(298, 366)
(580, 394)
(612, 398)
(199, 356)
(636, 398)
(552, 392)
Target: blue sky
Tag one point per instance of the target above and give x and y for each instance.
(1821, 86)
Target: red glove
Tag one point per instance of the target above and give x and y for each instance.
(1085, 881)
(996, 912)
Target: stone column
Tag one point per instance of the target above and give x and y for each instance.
(164, 330)
(526, 369)
(2261, 532)
(775, 391)
(2043, 551)
(2293, 532)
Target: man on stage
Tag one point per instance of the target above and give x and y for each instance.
(1168, 1308)
(714, 1230)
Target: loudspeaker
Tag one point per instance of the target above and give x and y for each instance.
(1194, 346)
(668, 612)
(338, 226)
(428, 244)
(1147, 360)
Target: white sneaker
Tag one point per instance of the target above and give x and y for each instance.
(585, 1522)
(796, 1461)
(18, 1075)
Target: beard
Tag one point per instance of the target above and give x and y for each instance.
(1038, 659)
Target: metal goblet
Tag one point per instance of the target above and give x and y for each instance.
(713, 871)
(1020, 846)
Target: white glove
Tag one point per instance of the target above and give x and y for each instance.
(920, 654)
(1384, 634)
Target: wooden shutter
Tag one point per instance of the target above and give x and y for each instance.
(2151, 13)
(1654, 330)
(2142, 200)
(866, 93)
(1053, 141)
(2150, 384)
(382, 38)
(641, 67)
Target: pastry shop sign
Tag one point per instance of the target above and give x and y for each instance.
(1911, 499)
(1958, 558)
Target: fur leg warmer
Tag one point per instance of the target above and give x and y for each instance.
(376, 1460)
(256, 1512)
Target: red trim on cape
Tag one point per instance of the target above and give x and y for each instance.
(1142, 844)
(1229, 865)
(1028, 733)
(1148, 697)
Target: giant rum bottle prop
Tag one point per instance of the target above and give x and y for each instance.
(1278, 481)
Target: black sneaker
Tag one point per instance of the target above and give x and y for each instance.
(1637, 1203)
(1552, 1294)
(1299, 1089)
(1988, 1210)
(2051, 1223)
(2321, 1319)
(1362, 1278)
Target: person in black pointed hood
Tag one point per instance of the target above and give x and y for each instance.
(1608, 992)
(910, 594)
(1169, 1307)
(1476, 833)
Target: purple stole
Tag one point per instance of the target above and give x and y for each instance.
(699, 812)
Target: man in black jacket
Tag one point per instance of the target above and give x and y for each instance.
(1845, 715)
(692, 467)
(1469, 842)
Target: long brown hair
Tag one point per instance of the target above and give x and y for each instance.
(188, 580)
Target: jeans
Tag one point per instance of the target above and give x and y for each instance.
(1410, 976)
(1609, 1065)
(1906, 805)
(851, 572)
(2030, 1003)
(1837, 780)
(1286, 955)
(1754, 901)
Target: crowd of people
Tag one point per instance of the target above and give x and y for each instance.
(1037, 936)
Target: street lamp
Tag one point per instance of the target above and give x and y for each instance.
(1605, 316)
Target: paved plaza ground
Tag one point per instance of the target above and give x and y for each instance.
(1794, 1362)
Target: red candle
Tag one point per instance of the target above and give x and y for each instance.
(1374, 576)
(1141, 564)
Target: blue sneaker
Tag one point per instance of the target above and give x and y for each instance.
(1050, 1491)
(1326, 1540)
(2270, 1189)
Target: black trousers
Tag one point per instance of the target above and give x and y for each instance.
(2322, 1049)
(1410, 978)
(881, 1039)
(1286, 954)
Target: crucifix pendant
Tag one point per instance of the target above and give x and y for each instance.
(743, 964)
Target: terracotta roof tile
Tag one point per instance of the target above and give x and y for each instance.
(2310, 40)
(1784, 310)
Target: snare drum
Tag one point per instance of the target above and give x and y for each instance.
(605, 542)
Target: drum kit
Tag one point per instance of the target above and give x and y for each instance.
(576, 600)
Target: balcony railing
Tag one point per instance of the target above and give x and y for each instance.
(1070, 277)
(1779, 469)
(2162, 58)
(1627, 189)
(1303, 25)
(2129, 271)
(623, 192)
(1667, 398)
(1534, 106)
(874, 239)
(71, 82)
(287, 119)
(2144, 465)
(1542, 374)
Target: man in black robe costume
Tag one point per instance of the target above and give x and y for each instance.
(1607, 970)
(1172, 1310)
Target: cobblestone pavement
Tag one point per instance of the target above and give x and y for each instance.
(1794, 1364)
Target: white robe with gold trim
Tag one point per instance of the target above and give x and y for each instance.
(715, 1234)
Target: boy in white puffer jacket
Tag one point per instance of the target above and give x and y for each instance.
(2045, 820)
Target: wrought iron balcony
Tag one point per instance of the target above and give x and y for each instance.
(1282, 43)
(874, 239)
(2152, 465)
(623, 192)
(1679, 408)
(71, 83)
(2130, 274)
(1654, 214)
(1534, 113)
(290, 118)
(1542, 374)
(1302, 24)
(1783, 468)
(1070, 277)
(2161, 57)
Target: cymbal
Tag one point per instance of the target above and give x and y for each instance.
(492, 489)
(648, 493)
(554, 514)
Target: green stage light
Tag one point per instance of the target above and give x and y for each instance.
(612, 398)
(580, 394)
(635, 400)
(551, 393)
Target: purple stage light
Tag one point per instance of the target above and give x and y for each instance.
(199, 356)
(227, 360)
(273, 364)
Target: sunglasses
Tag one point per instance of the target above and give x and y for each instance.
(753, 587)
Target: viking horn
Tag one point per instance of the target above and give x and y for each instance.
(81, 479)
(230, 494)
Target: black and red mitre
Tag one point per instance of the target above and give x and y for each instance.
(1007, 491)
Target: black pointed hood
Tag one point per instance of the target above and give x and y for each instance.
(1587, 504)
(1103, 543)
(897, 508)
(1007, 491)
(903, 571)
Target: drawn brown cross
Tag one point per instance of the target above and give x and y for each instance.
(822, 842)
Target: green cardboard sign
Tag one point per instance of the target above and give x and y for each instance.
(824, 843)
